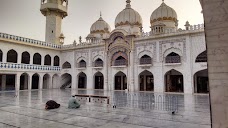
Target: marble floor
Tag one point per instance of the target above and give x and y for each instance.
(25, 109)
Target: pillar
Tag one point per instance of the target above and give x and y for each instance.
(216, 31)
(30, 82)
(3, 82)
(19, 58)
(17, 82)
(41, 79)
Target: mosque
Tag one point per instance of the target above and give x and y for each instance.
(166, 59)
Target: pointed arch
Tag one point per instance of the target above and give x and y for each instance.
(24, 81)
(66, 65)
(201, 83)
(47, 60)
(98, 80)
(202, 57)
(12, 56)
(46, 81)
(66, 81)
(35, 81)
(146, 81)
(1, 54)
(56, 61)
(120, 81)
(98, 63)
(173, 58)
(37, 59)
(82, 80)
(145, 59)
(174, 81)
(25, 58)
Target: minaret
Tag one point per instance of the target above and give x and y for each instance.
(55, 11)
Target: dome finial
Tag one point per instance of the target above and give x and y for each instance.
(100, 14)
(128, 4)
(163, 1)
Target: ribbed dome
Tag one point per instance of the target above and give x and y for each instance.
(100, 26)
(163, 12)
(128, 17)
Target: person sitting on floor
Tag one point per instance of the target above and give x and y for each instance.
(51, 104)
(73, 104)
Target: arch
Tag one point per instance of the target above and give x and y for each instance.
(145, 60)
(55, 81)
(47, 60)
(66, 81)
(46, 81)
(35, 81)
(175, 50)
(146, 81)
(98, 63)
(82, 80)
(202, 57)
(201, 81)
(173, 58)
(82, 64)
(24, 81)
(66, 65)
(120, 81)
(37, 59)
(12, 56)
(25, 58)
(99, 80)
(119, 59)
(146, 52)
(98, 56)
(174, 81)
(1, 54)
(56, 61)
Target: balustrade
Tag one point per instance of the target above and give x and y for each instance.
(98, 64)
(145, 61)
(15, 66)
(120, 62)
(173, 59)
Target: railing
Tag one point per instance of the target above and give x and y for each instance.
(27, 40)
(28, 67)
(191, 28)
(82, 65)
(50, 45)
(173, 59)
(120, 62)
(144, 61)
(98, 64)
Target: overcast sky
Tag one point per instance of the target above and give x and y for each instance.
(23, 17)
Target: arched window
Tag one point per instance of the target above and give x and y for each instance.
(66, 65)
(145, 60)
(98, 63)
(37, 59)
(120, 61)
(1, 55)
(82, 64)
(47, 60)
(56, 61)
(12, 56)
(173, 58)
(25, 59)
(202, 57)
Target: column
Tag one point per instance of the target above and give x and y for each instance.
(30, 82)
(41, 78)
(19, 58)
(4, 56)
(74, 80)
(17, 82)
(159, 79)
(3, 82)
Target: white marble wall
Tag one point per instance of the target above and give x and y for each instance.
(215, 16)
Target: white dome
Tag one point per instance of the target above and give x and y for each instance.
(163, 12)
(100, 26)
(128, 17)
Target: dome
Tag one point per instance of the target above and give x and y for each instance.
(128, 16)
(100, 26)
(163, 12)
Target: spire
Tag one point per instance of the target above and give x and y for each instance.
(100, 16)
(128, 4)
(163, 1)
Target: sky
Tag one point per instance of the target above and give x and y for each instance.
(23, 17)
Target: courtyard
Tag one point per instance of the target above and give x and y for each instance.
(25, 109)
